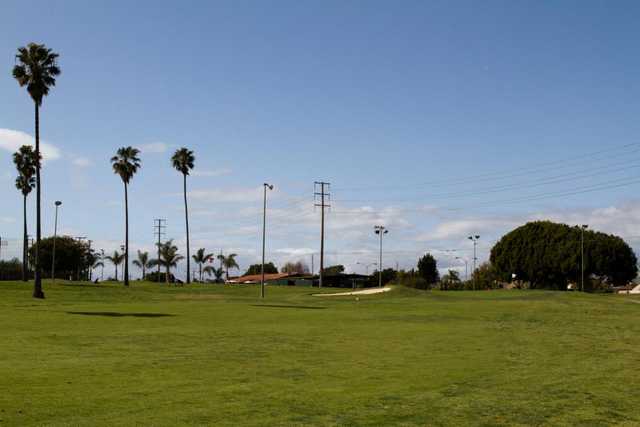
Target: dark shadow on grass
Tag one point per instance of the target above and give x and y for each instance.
(116, 314)
(301, 307)
(82, 285)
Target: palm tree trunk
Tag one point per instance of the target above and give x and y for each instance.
(144, 272)
(200, 268)
(166, 276)
(25, 241)
(116, 272)
(126, 235)
(37, 283)
(186, 218)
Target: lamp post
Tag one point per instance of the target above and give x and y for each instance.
(582, 228)
(58, 203)
(380, 230)
(466, 267)
(264, 232)
(474, 239)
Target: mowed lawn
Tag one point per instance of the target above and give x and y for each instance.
(95, 355)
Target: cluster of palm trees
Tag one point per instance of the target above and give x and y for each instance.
(36, 69)
(169, 259)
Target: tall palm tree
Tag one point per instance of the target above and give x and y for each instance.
(36, 69)
(126, 163)
(116, 259)
(25, 161)
(228, 262)
(142, 262)
(202, 258)
(169, 257)
(98, 262)
(182, 160)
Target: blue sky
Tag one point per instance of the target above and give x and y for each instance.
(437, 119)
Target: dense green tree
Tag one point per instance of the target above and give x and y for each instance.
(334, 269)
(428, 269)
(388, 275)
(201, 258)
(548, 256)
(269, 268)
(485, 277)
(183, 160)
(25, 161)
(73, 257)
(125, 164)
(297, 267)
(451, 280)
(37, 69)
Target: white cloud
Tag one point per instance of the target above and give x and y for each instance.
(7, 220)
(154, 147)
(12, 140)
(213, 172)
(241, 195)
(81, 162)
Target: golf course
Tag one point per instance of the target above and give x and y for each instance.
(92, 355)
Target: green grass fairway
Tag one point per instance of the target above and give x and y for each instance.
(102, 355)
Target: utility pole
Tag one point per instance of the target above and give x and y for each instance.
(582, 228)
(324, 188)
(474, 239)
(466, 267)
(264, 233)
(159, 229)
(312, 266)
(380, 230)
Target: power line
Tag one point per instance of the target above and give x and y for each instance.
(159, 227)
(557, 179)
(492, 176)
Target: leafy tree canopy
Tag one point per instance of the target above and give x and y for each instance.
(72, 256)
(334, 269)
(548, 256)
(295, 267)
(428, 269)
(269, 268)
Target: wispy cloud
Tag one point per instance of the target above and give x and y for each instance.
(11, 140)
(154, 148)
(81, 162)
(212, 172)
(239, 195)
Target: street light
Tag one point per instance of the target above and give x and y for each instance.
(466, 267)
(366, 266)
(58, 203)
(474, 239)
(380, 230)
(582, 228)
(264, 232)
